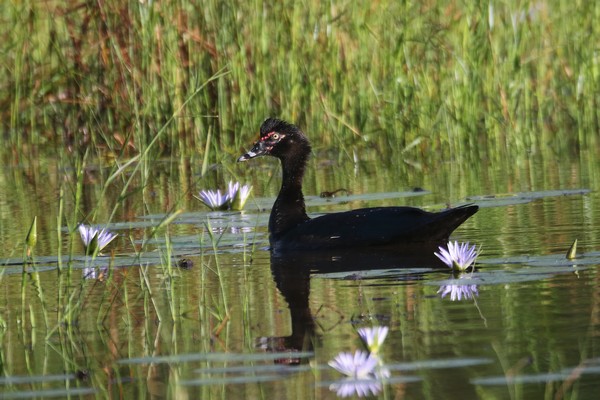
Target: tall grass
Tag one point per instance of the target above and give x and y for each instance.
(460, 78)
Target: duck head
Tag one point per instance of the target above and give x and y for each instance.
(279, 139)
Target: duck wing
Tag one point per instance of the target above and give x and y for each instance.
(377, 226)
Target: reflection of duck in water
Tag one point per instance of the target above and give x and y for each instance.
(291, 229)
(292, 274)
(294, 285)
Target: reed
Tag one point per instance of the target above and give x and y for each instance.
(222, 310)
(462, 79)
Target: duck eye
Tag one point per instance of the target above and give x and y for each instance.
(275, 136)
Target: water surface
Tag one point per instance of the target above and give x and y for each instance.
(241, 324)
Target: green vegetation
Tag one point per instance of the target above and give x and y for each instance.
(465, 79)
(113, 113)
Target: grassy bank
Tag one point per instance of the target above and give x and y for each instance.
(456, 78)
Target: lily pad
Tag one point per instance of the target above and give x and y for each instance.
(499, 200)
(19, 380)
(48, 393)
(502, 277)
(374, 273)
(230, 380)
(519, 379)
(438, 364)
(342, 199)
(557, 260)
(260, 368)
(246, 373)
(224, 357)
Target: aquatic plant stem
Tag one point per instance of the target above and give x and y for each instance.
(147, 286)
(59, 221)
(168, 273)
(206, 152)
(214, 241)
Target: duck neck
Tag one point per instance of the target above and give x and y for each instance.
(289, 210)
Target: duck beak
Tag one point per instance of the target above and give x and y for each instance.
(259, 149)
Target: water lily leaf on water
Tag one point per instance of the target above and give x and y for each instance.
(557, 260)
(21, 379)
(44, 264)
(498, 200)
(235, 374)
(346, 198)
(39, 260)
(438, 364)
(49, 393)
(230, 380)
(589, 366)
(29, 268)
(254, 368)
(501, 277)
(519, 379)
(374, 273)
(180, 248)
(125, 225)
(507, 260)
(198, 217)
(561, 261)
(230, 241)
(223, 357)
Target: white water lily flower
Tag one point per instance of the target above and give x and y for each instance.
(238, 195)
(93, 238)
(358, 365)
(373, 337)
(458, 292)
(458, 256)
(213, 199)
(232, 188)
(234, 199)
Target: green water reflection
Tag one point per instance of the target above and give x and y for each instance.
(239, 324)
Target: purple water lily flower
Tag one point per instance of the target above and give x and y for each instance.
(214, 200)
(234, 199)
(95, 238)
(232, 188)
(458, 256)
